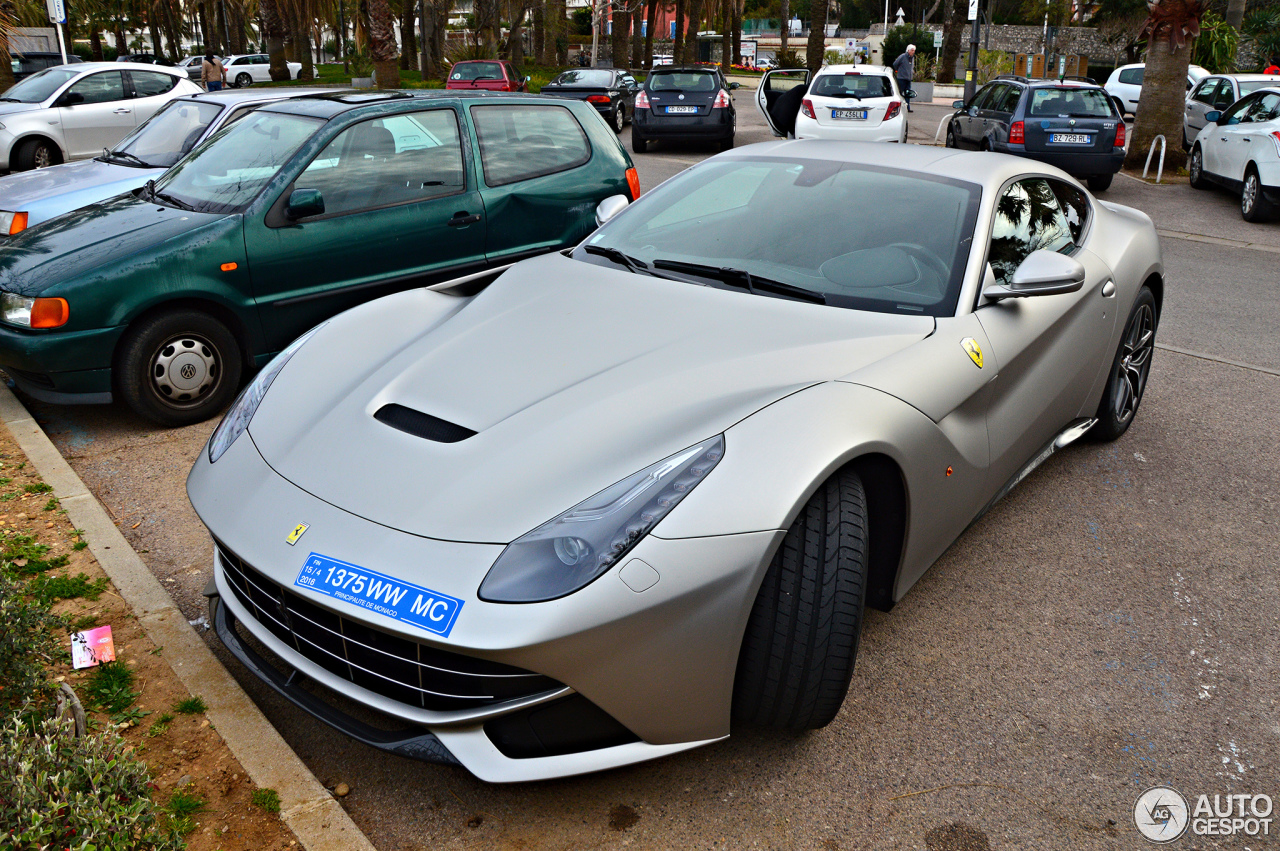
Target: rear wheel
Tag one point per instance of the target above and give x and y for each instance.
(638, 144)
(617, 119)
(951, 137)
(802, 636)
(1100, 182)
(726, 144)
(178, 368)
(35, 153)
(1195, 169)
(1253, 204)
(1129, 370)
(243, 80)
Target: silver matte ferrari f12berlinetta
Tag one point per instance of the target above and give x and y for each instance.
(603, 505)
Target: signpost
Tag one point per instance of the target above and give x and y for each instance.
(58, 16)
(970, 75)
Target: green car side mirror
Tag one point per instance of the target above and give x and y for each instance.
(304, 203)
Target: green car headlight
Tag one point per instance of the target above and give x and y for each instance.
(568, 552)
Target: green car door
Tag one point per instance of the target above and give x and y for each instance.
(390, 203)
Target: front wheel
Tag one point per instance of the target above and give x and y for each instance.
(1195, 169)
(1129, 370)
(617, 120)
(802, 636)
(1254, 206)
(1099, 182)
(178, 368)
(35, 153)
(951, 137)
(243, 80)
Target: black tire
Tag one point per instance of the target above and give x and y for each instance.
(1195, 169)
(618, 119)
(1119, 107)
(35, 153)
(1129, 370)
(726, 144)
(178, 368)
(638, 144)
(243, 80)
(1100, 182)
(802, 636)
(1254, 206)
(951, 137)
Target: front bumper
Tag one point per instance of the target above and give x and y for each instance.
(1078, 164)
(60, 367)
(717, 125)
(659, 663)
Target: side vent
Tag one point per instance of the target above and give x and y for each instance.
(421, 425)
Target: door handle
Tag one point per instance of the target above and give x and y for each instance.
(1222, 138)
(1108, 289)
(462, 219)
(123, 111)
(1246, 139)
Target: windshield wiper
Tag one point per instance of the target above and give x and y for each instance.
(11, 100)
(112, 155)
(181, 205)
(742, 278)
(622, 259)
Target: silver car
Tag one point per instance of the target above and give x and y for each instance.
(624, 497)
(1214, 94)
(72, 112)
(31, 197)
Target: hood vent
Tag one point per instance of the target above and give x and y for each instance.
(421, 425)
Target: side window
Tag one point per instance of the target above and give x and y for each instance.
(523, 142)
(149, 83)
(1225, 96)
(1028, 218)
(1009, 102)
(396, 159)
(1205, 92)
(1235, 114)
(1074, 205)
(1132, 76)
(101, 88)
(985, 96)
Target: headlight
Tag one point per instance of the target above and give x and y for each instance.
(237, 418)
(568, 552)
(34, 312)
(11, 223)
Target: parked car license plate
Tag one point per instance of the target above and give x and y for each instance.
(850, 114)
(678, 110)
(1071, 138)
(380, 594)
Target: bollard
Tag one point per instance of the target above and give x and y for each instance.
(1160, 168)
(938, 132)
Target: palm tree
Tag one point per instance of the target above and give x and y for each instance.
(273, 33)
(1169, 29)
(817, 45)
(380, 26)
(8, 18)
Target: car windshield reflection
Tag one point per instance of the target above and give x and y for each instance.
(39, 87)
(167, 135)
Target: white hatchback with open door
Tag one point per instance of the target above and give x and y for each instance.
(853, 103)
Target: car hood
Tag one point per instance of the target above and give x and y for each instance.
(572, 376)
(83, 240)
(13, 108)
(18, 191)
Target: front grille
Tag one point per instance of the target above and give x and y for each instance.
(394, 667)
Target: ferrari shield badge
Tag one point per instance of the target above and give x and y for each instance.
(971, 346)
(302, 527)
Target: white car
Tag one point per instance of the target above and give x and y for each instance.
(1240, 149)
(1216, 93)
(1125, 84)
(73, 112)
(848, 103)
(253, 68)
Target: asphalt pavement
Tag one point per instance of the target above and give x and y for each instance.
(1111, 625)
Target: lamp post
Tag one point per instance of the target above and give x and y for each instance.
(971, 74)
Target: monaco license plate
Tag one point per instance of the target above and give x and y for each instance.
(380, 594)
(681, 110)
(1071, 138)
(849, 114)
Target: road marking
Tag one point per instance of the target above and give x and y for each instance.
(1216, 359)
(1217, 240)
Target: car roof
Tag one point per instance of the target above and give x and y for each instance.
(236, 96)
(859, 69)
(328, 104)
(1248, 78)
(689, 68)
(86, 67)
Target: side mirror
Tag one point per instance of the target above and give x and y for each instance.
(304, 203)
(1041, 273)
(957, 104)
(69, 99)
(610, 207)
(733, 87)
(1212, 116)
(528, 79)
(909, 93)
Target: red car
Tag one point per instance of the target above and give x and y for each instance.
(494, 75)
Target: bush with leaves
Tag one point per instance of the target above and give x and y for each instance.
(81, 794)
(1215, 47)
(1262, 27)
(27, 645)
(789, 59)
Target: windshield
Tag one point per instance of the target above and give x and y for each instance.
(584, 78)
(833, 229)
(167, 135)
(852, 86)
(228, 170)
(39, 87)
(1070, 101)
(1251, 86)
(683, 81)
(476, 71)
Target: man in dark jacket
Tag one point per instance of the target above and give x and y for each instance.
(904, 68)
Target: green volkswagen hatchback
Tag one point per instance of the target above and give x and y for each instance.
(169, 295)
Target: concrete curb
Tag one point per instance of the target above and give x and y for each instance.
(306, 807)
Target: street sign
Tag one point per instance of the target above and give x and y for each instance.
(973, 10)
(57, 11)
(937, 39)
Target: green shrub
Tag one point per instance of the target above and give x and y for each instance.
(37, 487)
(27, 645)
(190, 706)
(181, 808)
(267, 799)
(81, 794)
(110, 688)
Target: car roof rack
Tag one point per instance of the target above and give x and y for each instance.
(1089, 80)
(1018, 77)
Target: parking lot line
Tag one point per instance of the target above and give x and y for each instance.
(1203, 356)
(1217, 240)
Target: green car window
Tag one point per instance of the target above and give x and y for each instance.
(228, 170)
(523, 142)
(392, 160)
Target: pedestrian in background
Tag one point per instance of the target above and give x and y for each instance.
(1274, 67)
(212, 74)
(904, 68)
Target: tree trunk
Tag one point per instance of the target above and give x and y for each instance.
(691, 35)
(1235, 13)
(619, 39)
(381, 28)
(785, 32)
(302, 48)
(562, 32)
(726, 36)
(95, 45)
(817, 45)
(273, 38)
(1161, 104)
(438, 36)
(515, 39)
(651, 20)
(737, 30)
(539, 33)
(677, 40)
(172, 32)
(408, 38)
(953, 30)
(156, 47)
(238, 43)
(637, 40)
(486, 12)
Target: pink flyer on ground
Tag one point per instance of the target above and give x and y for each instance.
(92, 647)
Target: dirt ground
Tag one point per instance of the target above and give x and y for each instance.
(184, 753)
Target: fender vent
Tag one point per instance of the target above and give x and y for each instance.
(421, 425)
